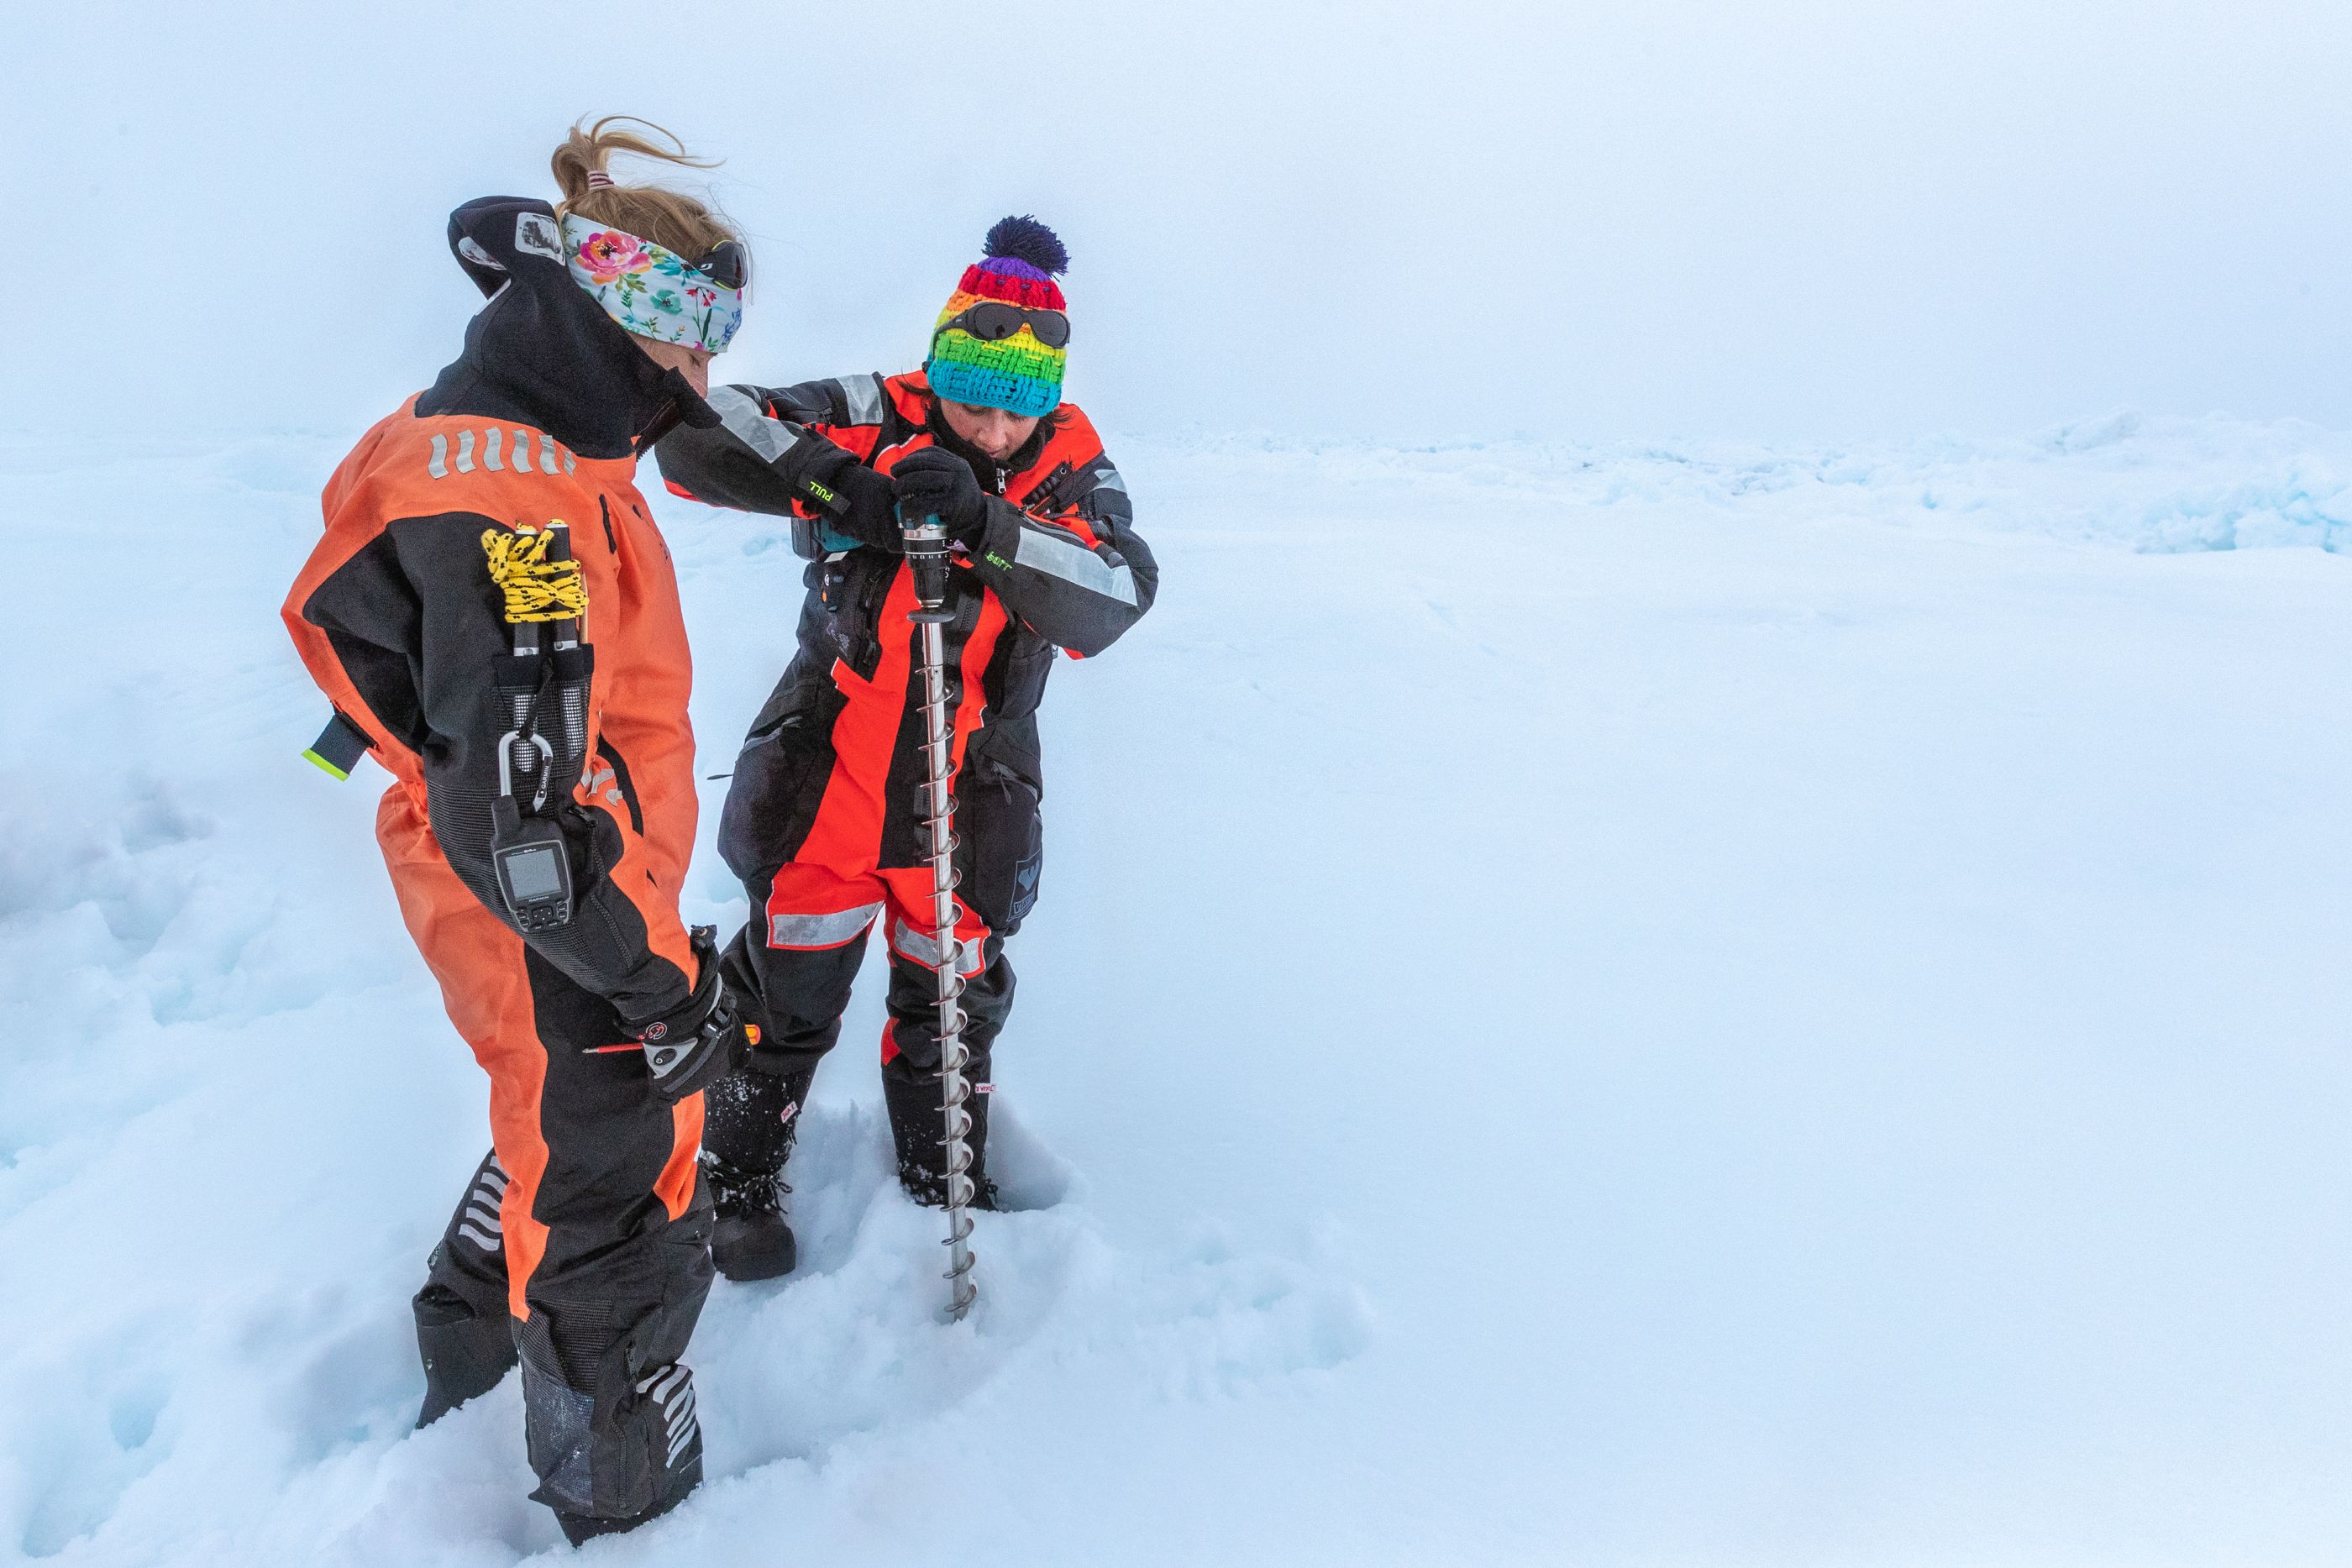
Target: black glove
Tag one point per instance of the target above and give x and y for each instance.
(856, 501)
(932, 483)
(700, 1040)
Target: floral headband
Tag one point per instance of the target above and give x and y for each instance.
(651, 291)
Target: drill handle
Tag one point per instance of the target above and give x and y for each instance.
(927, 559)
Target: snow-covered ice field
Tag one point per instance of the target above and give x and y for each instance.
(1620, 1006)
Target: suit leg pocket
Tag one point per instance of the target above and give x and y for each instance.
(771, 803)
(1008, 847)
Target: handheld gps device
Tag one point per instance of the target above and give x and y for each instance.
(528, 853)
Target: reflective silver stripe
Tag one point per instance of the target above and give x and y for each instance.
(916, 945)
(820, 930)
(491, 440)
(678, 1444)
(546, 453)
(487, 1243)
(522, 452)
(439, 466)
(485, 1218)
(663, 1383)
(923, 948)
(1110, 479)
(568, 464)
(863, 394)
(465, 452)
(1073, 562)
(752, 427)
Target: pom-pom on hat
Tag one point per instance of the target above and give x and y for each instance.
(1019, 373)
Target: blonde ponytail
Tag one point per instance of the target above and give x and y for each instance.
(671, 219)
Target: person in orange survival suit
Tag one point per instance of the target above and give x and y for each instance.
(822, 820)
(494, 615)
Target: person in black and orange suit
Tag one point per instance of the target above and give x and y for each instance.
(467, 536)
(821, 820)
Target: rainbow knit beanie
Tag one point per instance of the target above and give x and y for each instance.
(1018, 375)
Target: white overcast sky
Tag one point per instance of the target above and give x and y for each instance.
(1652, 219)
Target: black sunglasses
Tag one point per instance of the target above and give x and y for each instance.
(992, 321)
(729, 266)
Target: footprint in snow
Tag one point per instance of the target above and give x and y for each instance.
(92, 1444)
(853, 1341)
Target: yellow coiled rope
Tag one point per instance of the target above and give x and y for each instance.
(537, 589)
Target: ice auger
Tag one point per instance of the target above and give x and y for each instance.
(928, 563)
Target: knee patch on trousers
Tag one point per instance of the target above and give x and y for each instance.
(609, 1446)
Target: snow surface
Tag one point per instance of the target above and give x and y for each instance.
(1629, 1006)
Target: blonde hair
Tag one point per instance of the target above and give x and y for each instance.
(671, 219)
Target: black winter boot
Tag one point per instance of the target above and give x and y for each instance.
(918, 1126)
(752, 1235)
(750, 1121)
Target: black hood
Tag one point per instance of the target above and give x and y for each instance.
(542, 351)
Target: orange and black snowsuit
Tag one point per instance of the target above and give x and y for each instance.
(583, 1240)
(821, 820)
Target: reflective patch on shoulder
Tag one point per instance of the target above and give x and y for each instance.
(749, 423)
(477, 255)
(1073, 562)
(535, 232)
(1109, 479)
(864, 396)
